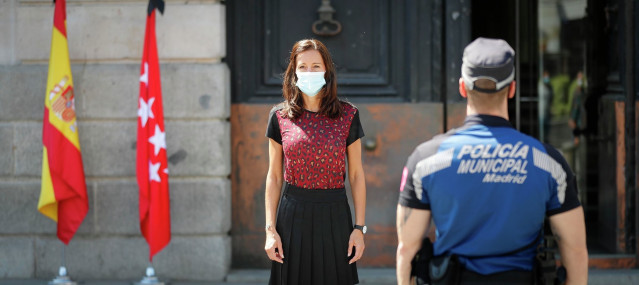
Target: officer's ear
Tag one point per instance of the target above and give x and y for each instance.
(462, 88)
(511, 90)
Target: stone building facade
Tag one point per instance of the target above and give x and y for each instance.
(105, 46)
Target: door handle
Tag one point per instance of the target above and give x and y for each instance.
(326, 25)
(370, 144)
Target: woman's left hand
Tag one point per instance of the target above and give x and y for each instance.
(357, 241)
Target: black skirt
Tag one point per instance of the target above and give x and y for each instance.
(315, 226)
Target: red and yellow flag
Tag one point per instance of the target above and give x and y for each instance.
(152, 167)
(63, 196)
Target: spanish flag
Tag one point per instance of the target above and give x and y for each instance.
(63, 196)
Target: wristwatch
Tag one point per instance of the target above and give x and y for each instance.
(361, 228)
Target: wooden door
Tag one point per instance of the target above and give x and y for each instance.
(395, 63)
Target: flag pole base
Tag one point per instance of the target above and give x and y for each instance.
(149, 281)
(150, 278)
(62, 278)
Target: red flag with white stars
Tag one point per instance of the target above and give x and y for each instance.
(152, 168)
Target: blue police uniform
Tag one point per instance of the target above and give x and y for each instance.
(488, 188)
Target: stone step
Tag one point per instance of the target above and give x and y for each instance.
(369, 276)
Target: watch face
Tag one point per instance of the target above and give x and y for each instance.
(364, 229)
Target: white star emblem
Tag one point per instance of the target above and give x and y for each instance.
(158, 140)
(145, 112)
(153, 172)
(145, 76)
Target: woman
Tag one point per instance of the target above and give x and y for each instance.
(313, 240)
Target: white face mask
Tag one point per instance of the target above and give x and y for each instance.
(310, 82)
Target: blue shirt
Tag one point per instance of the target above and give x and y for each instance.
(489, 188)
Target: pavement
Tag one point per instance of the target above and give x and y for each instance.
(368, 276)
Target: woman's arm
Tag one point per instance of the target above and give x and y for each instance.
(272, 198)
(356, 178)
(358, 188)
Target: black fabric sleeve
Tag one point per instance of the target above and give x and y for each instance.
(407, 196)
(356, 132)
(571, 198)
(273, 127)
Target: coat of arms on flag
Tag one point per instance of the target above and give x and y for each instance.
(63, 196)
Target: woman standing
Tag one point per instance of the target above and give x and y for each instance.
(311, 134)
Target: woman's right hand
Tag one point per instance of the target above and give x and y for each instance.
(273, 246)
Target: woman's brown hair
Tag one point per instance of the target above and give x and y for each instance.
(330, 105)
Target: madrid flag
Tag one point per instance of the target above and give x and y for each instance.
(152, 167)
(63, 196)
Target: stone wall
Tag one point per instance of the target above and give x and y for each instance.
(105, 45)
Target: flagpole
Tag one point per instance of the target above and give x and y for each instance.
(62, 278)
(151, 161)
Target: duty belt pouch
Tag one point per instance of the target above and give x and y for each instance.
(420, 262)
(444, 270)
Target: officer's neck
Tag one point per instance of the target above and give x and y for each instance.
(498, 112)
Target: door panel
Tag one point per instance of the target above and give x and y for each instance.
(361, 49)
(249, 162)
(392, 133)
(388, 51)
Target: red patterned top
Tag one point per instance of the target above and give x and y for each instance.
(314, 146)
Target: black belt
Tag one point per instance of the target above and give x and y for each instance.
(314, 195)
(506, 277)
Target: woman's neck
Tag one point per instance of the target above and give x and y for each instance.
(311, 103)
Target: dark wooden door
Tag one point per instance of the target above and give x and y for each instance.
(397, 61)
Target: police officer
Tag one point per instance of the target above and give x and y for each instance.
(488, 187)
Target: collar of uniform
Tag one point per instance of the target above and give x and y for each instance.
(487, 120)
